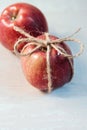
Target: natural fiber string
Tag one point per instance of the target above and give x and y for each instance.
(48, 62)
(30, 38)
(47, 43)
(27, 35)
(49, 70)
(69, 39)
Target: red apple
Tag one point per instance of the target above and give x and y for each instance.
(35, 65)
(23, 15)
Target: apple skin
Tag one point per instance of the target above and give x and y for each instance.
(35, 66)
(23, 15)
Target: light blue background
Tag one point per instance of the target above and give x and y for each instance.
(25, 108)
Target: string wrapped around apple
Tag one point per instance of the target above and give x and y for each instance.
(47, 61)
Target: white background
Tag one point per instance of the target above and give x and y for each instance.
(23, 107)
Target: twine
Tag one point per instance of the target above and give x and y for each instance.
(48, 44)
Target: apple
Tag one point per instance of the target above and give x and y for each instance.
(23, 15)
(35, 65)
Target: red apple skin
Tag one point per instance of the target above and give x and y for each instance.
(35, 67)
(23, 15)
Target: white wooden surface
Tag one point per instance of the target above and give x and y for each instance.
(25, 108)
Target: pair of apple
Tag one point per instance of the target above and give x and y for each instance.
(32, 20)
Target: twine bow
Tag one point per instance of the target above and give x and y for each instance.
(48, 44)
